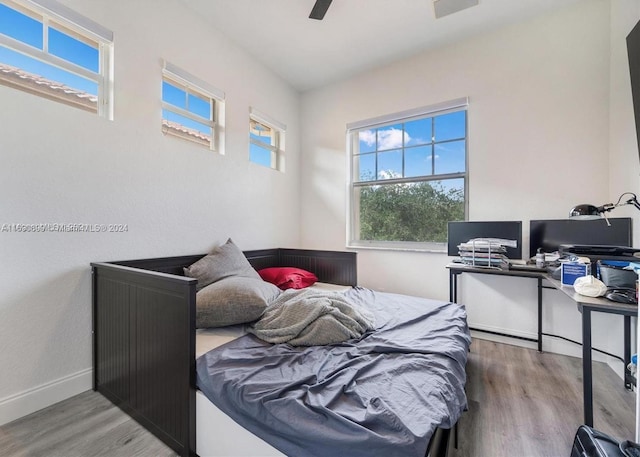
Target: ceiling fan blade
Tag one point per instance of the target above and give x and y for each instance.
(320, 9)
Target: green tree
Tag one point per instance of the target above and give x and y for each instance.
(409, 212)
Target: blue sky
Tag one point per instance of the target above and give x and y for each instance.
(258, 154)
(195, 105)
(30, 31)
(422, 147)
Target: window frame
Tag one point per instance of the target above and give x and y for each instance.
(276, 147)
(52, 14)
(194, 86)
(354, 182)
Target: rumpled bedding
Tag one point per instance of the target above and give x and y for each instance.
(310, 317)
(380, 395)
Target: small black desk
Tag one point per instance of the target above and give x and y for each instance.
(586, 305)
(456, 269)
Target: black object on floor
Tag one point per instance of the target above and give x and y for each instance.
(592, 443)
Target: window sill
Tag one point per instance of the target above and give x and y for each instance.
(367, 247)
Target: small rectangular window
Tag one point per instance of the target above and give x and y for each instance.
(51, 51)
(266, 141)
(191, 109)
(408, 177)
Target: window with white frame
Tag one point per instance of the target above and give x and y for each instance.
(408, 177)
(266, 140)
(192, 109)
(50, 50)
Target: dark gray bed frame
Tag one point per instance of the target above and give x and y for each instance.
(144, 337)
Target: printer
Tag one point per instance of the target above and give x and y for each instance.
(600, 252)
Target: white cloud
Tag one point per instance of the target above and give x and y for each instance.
(392, 138)
(369, 137)
(388, 174)
(387, 139)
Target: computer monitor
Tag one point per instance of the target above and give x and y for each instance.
(461, 232)
(550, 234)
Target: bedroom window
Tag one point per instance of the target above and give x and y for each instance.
(51, 51)
(408, 177)
(192, 109)
(266, 140)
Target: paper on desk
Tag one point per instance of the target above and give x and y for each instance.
(500, 241)
(551, 256)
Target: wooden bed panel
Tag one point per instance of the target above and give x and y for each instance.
(334, 267)
(169, 265)
(144, 349)
(158, 353)
(263, 258)
(112, 341)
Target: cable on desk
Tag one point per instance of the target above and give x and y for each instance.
(580, 344)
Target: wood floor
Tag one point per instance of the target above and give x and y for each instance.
(521, 403)
(87, 425)
(529, 404)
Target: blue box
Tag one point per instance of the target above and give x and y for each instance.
(572, 271)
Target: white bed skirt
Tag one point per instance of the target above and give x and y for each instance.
(217, 435)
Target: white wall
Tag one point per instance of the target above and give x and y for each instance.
(538, 145)
(62, 165)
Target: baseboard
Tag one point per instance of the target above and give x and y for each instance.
(29, 401)
(549, 343)
(492, 333)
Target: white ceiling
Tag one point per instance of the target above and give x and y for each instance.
(355, 35)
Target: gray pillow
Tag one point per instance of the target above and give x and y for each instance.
(222, 262)
(234, 300)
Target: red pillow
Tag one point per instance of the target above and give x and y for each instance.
(288, 277)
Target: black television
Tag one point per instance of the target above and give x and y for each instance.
(463, 231)
(633, 53)
(551, 233)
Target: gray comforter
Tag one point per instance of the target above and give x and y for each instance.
(383, 394)
(309, 317)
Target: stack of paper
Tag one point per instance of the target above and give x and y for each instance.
(484, 252)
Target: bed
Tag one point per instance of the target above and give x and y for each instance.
(144, 328)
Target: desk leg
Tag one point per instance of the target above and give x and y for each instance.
(539, 314)
(453, 287)
(587, 381)
(627, 349)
